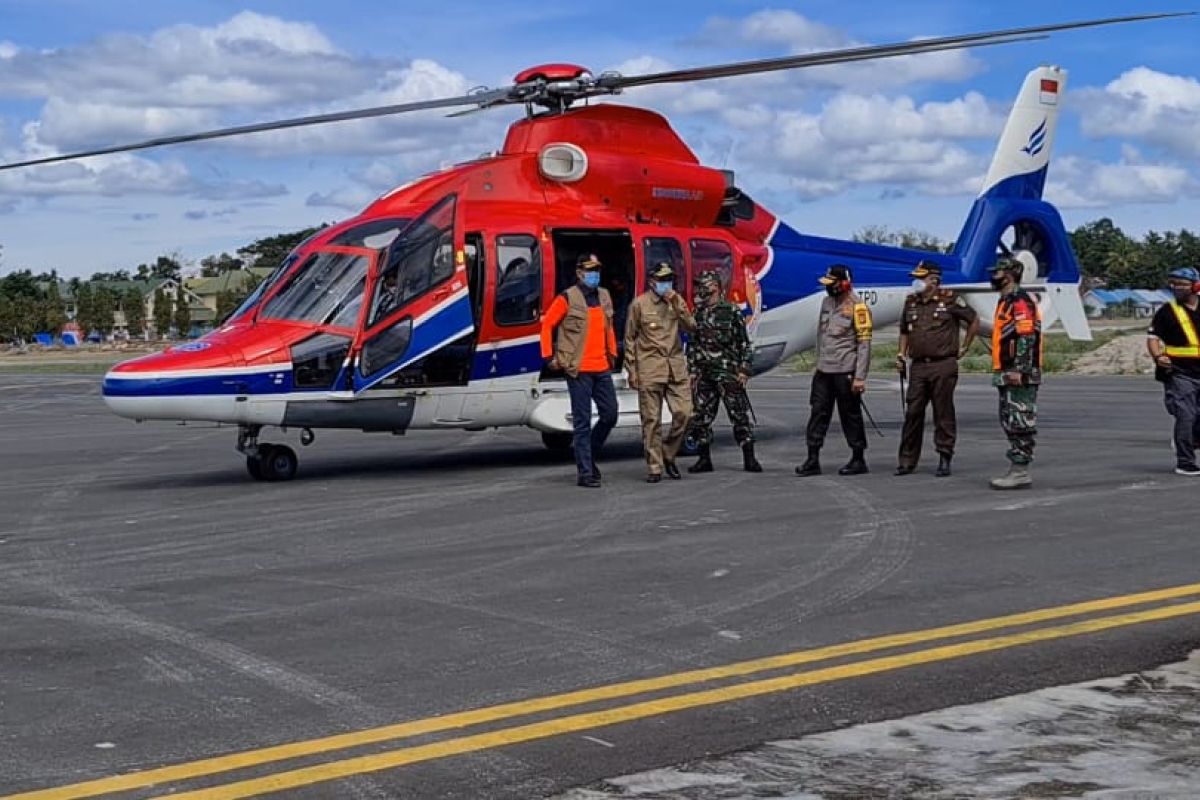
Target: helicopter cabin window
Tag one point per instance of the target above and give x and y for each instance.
(317, 361)
(713, 255)
(326, 289)
(375, 235)
(386, 347)
(419, 258)
(658, 249)
(518, 280)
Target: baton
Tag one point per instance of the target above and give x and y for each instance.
(867, 411)
(903, 396)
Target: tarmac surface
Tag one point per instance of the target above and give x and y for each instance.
(467, 622)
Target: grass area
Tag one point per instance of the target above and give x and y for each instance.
(1060, 354)
(15, 367)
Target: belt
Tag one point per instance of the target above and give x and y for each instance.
(930, 359)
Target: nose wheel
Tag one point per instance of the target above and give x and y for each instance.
(267, 462)
(273, 462)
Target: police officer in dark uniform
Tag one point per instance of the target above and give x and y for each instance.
(929, 336)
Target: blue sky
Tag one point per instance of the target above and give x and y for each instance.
(902, 144)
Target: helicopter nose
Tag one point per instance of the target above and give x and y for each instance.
(194, 381)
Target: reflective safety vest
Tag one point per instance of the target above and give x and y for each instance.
(1009, 324)
(1192, 348)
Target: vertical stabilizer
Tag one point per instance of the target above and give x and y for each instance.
(1019, 166)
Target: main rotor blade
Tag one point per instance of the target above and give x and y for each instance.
(480, 98)
(865, 53)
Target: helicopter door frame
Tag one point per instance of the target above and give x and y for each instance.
(434, 317)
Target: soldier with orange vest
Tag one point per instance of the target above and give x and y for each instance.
(1016, 369)
(578, 338)
(1175, 347)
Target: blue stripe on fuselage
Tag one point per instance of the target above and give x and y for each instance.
(277, 381)
(800, 259)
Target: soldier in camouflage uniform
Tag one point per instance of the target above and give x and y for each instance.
(1016, 369)
(719, 362)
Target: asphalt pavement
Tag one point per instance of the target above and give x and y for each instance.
(430, 598)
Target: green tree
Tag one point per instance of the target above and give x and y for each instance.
(271, 251)
(104, 302)
(54, 310)
(162, 312)
(909, 238)
(183, 314)
(133, 306)
(1100, 244)
(85, 309)
(227, 303)
(215, 266)
(167, 267)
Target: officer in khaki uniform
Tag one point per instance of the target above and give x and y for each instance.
(658, 369)
(843, 359)
(929, 336)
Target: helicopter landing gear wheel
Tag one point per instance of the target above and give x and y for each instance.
(277, 462)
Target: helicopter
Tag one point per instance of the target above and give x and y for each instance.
(424, 310)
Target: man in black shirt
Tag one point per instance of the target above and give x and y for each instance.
(1175, 348)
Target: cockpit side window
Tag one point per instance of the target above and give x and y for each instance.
(326, 289)
(375, 234)
(421, 257)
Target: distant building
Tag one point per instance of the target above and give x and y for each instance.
(1115, 303)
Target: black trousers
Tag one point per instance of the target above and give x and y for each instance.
(929, 381)
(829, 388)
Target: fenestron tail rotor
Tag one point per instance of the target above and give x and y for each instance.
(559, 88)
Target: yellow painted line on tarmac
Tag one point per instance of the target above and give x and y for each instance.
(252, 758)
(653, 708)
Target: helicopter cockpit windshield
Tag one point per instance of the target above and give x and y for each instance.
(326, 289)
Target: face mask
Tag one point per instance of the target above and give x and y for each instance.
(591, 279)
(832, 290)
(1182, 293)
(998, 282)
(918, 285)
(662, 287)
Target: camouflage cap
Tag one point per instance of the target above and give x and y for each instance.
(1006, 264)
(708, 277)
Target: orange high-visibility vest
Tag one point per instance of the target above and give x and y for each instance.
(1011, 322)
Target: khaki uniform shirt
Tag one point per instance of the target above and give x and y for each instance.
(844, 336)
(932, 323)
(653, 349)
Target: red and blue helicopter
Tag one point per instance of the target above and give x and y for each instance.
(424, 310)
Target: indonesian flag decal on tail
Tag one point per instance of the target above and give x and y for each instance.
(1049, 94)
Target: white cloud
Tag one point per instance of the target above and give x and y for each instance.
(7, 49)
(1083, 183)
(1160, 109)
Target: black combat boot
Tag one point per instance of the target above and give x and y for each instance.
(943, 470)
(704, 464)
(857, 465)
(812, 466)
(749, 462)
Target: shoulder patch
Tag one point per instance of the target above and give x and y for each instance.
(862, 320)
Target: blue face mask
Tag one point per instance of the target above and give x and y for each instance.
(662, 287)
(591, 279)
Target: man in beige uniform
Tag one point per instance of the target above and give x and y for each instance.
(657, 369)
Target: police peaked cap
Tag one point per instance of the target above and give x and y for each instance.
(663, 271)
(838, 272)
(926, 268)
(588, 261)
